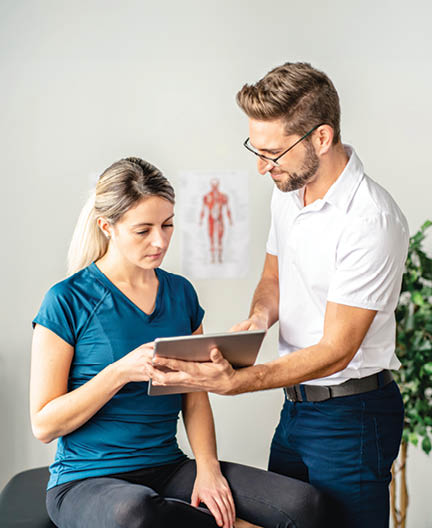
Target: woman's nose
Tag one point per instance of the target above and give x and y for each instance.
(158, 239)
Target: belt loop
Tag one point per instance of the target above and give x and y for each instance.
(302, 391)
(380, 377)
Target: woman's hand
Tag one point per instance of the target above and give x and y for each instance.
(212, 488)
(134, 366)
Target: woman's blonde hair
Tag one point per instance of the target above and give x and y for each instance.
(119, 187)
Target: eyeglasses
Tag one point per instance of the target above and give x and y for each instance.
(275, 160)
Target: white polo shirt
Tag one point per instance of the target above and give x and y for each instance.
(349, 248)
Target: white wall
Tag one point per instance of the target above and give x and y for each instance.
(85, 83)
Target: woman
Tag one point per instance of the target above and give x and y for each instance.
(117, 462)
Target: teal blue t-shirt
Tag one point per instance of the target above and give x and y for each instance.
(132, 430)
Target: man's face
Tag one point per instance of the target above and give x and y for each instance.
(296, 168)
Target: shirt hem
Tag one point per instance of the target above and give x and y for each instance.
(357, 304)
(57, 480)
(54, 327)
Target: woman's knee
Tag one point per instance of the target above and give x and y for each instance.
(311, 510)
(304, 509)
(138, 510)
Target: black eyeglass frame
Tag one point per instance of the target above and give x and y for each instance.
(275, 160)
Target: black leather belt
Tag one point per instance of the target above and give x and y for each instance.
(317, 393)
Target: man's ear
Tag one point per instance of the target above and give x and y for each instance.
(105, 227)
(323, 139)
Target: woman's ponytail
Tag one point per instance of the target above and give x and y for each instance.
(88, 243)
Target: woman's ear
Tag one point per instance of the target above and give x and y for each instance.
(105, 227)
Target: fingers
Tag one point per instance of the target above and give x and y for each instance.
(231, 506)
(229, 510)
(241, 327)
(213, 506)
(173, 364)
(221, 505)
(216, 356)
(256, 321)
(166, 378)
(220, 510)
(165, 371)
(195, 500)
(147, 349)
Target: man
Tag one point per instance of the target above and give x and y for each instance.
(332, 274)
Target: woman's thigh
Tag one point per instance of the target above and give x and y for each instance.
(261, 497)
(104, 501)
(116, 503)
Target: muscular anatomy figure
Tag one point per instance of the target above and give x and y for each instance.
(215, 202)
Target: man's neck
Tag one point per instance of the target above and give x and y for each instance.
(331, 167)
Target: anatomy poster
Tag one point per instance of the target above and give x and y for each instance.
(214, 223)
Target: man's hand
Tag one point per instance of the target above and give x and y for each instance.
(255, 322)
(216, 375)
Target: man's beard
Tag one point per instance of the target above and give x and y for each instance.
(297, 180)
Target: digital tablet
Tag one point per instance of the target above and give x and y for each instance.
(239, 348)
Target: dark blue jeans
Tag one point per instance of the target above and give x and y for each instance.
(345, 447)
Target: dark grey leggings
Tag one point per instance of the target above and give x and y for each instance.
(159, 498)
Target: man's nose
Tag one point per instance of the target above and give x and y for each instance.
(264, 165)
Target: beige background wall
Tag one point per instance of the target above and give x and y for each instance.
(85, 83)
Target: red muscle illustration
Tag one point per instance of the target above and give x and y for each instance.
(214, 205)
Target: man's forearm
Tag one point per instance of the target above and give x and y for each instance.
(345, 327)
(314, 362)
(265, 302)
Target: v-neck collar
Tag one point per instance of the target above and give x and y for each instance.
(101, 275)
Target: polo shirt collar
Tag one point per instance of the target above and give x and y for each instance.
(343, 189)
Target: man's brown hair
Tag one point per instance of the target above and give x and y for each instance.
(298, 94)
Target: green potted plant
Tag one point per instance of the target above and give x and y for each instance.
(414, 350)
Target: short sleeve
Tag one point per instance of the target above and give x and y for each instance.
(370, 260)
(272, 245)
(195, 311)
(56, 314)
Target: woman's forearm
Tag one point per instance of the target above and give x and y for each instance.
(68, 412)
(199, 425)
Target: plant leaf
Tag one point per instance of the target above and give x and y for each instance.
(426, 445)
